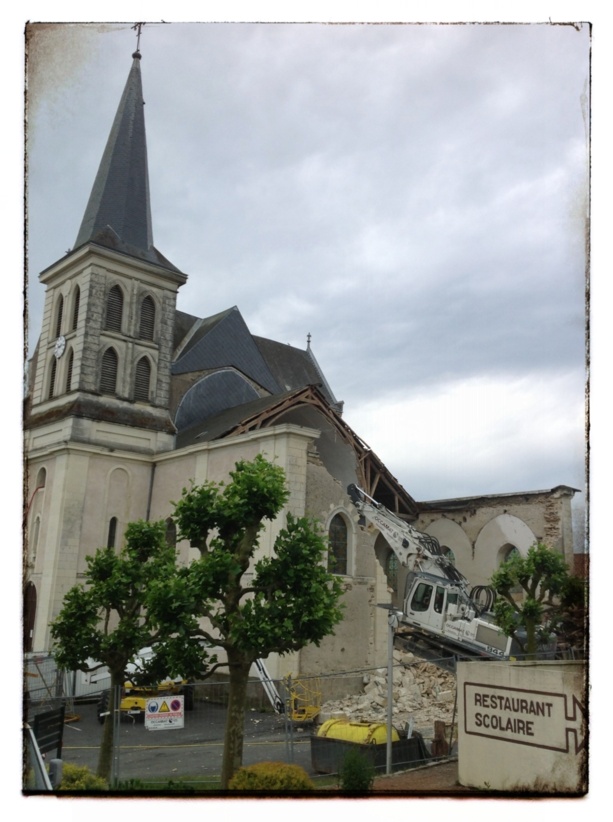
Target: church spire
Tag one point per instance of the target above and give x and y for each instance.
(118, 214)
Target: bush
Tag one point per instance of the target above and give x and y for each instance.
(271, 776)
(80, 778)
(357, 772)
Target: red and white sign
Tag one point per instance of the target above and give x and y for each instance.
(164, 713)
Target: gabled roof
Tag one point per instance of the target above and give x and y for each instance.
(118, 213)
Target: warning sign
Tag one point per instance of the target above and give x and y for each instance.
(164, 713)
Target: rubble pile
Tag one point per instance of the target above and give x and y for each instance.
(422, 693)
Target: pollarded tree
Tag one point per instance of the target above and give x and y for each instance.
(289, 601)
(536, 595)
(114, 616)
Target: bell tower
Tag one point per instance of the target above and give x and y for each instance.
(106, 342)
(97, 415)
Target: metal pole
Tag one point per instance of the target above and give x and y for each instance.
(116, 719)
(392, 621)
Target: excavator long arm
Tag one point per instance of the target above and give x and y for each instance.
(416, 550)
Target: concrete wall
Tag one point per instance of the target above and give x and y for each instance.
(522, 727)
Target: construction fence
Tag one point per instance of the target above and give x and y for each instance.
(309, 721)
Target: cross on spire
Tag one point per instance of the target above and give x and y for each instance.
(137, 27)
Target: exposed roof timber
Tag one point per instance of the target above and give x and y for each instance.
(373, 476)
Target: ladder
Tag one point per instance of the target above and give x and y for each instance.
(270, 687)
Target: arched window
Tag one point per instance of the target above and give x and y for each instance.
(114, 309)
(391, 571)
(448, 553)
(171, 532)
(58, 316)
(69, 371)
(75, 308)
(112, 535)
(52, 376)
(147, 319)
(41, 478)
(508, 552)
(142, 380)
(337, 550)
(34, 540)
(108, 372)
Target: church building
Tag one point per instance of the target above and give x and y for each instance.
(130, 399)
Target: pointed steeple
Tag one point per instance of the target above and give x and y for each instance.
(118, 214)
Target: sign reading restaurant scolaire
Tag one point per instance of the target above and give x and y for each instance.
(540, 719)
(164, 713)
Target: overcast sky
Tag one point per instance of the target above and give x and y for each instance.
(413, 196)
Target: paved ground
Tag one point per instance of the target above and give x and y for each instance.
(192, 751)
(431, 780)
(195, 751)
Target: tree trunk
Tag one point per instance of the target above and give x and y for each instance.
(105, 757)
(530, 639)
(235, 722)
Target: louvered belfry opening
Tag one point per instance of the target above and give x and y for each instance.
(58, 316)
(108, 372)
(147, 319)
(142, 380)
(69, 371)
(114, 309)
(75, 308)
(52, 378)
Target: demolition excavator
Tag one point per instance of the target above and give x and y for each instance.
(442, 615)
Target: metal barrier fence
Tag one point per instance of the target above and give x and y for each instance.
(192, 754)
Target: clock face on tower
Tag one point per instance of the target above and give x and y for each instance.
(60, 345)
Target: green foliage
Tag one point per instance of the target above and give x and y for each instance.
(80, 778)
(548, 593)
(295, 596)
(271, 777)
(131, 600)
(357, 773)
(290, 601)
(257, 492)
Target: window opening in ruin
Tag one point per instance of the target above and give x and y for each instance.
(448, 553)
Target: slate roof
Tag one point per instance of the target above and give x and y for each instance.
(118, 213)
(293, 367)
(224, 341)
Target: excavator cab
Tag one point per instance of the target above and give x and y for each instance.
(430, 601)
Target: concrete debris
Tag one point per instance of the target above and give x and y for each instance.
(422, 694)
